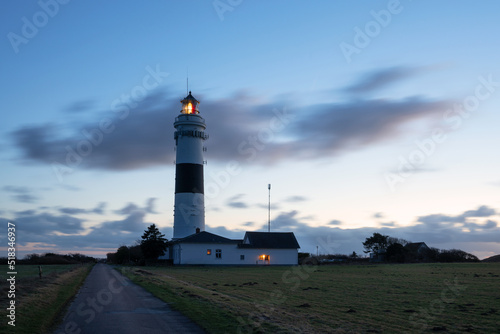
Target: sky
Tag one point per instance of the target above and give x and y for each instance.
(366, 116)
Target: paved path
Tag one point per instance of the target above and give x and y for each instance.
(110, 303)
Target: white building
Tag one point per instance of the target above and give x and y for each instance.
(256, 248)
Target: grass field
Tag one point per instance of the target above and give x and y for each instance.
(413, 298)
(40, 302)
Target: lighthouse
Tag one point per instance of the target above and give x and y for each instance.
(189, 207)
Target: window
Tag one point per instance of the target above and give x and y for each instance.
(242, 257)
(209, 252)
(218, 253)
(264, 257)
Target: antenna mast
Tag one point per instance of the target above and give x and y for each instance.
(187, 81)
(269, 210)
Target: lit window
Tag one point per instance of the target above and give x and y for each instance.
(218, 253)
(242, 257)
(209, 251)
(264, 257)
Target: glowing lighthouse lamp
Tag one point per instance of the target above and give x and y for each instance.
(189, 211)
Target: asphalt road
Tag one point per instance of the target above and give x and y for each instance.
(110, 303)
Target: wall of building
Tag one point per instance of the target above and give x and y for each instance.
(230, 254)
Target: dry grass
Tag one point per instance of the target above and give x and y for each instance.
(40, 302)
(333, 299)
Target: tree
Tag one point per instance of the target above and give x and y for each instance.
(396, 252)
(153, 243)
(375, 243)
(122, 255)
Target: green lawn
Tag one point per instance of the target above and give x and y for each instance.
(337, 298)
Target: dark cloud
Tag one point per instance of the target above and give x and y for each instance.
(21, 194)
(387, 224)
(16, 189)
(335, 222)
(45, 227)
(72, 211)
(234, 202)
(469, 236)
(381, 78)
(241, 128)
(99, 209)
(25, 198)
(26, 213)
(490, 224)
(441, 219)
(66, 231)
(296, 198)
(378, 215)
(131, 208)
(79, 106)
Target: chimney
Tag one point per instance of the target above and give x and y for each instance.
(197, 230)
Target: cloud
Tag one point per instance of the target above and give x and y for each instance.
(234, 202)
(45, 227)
(296, 198)
(72, 211)
(445, 220)
(274, 206)
(67, 232)
(80, 106)
(335, 222)
(490, 224)
(25, 198)
(99, 209)
(378, 215)
(131, 208)
(242, 128)
(333, 239)
(21, 194)
(381, 78)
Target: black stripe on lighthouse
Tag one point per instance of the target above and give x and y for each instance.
(189, 178)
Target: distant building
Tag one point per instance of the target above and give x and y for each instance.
(378, 256)
(191, 244)
(417, 251)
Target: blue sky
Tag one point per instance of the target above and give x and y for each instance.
(373, 116)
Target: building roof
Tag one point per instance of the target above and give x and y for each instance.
(415, 246)
(268, 240)
(283, 240)
(206, 238)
